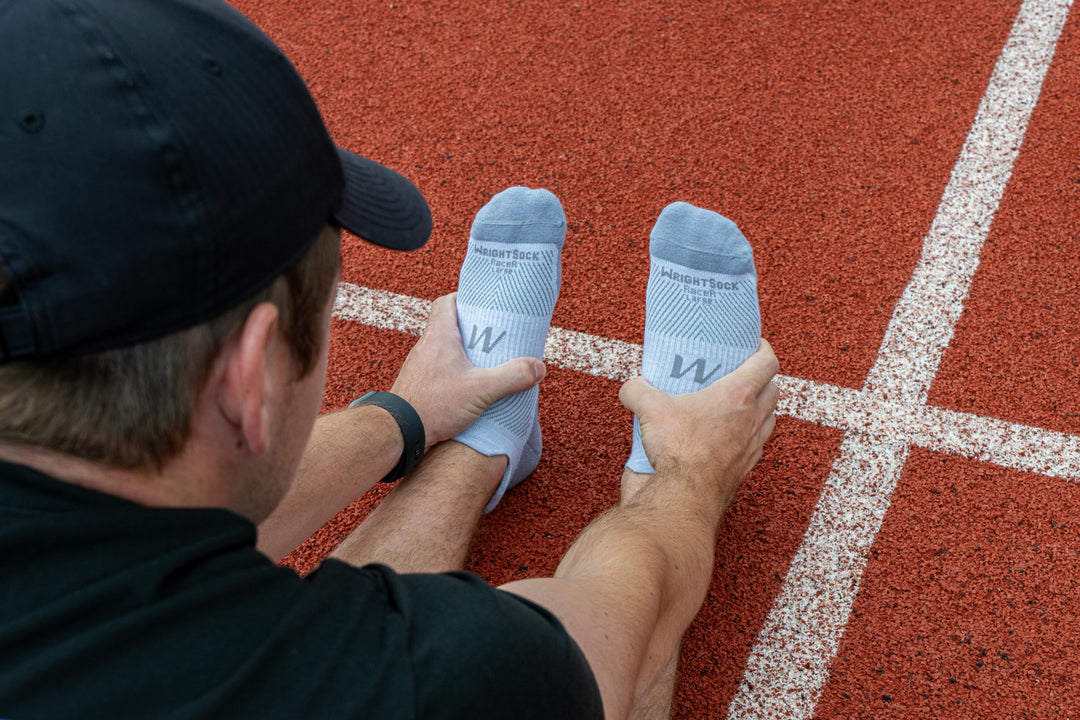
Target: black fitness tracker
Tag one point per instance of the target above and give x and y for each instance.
(412, 430)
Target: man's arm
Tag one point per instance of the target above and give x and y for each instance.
(634, 579)
(350, 450)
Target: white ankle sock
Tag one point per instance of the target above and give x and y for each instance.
(701, 308)
(507, 290)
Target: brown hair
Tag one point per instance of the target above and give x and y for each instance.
(131, 407)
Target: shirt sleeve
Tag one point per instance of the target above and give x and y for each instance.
(479, 652)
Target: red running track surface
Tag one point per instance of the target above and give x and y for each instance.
(828, 132)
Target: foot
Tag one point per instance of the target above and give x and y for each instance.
(507, 290)
(701, 308)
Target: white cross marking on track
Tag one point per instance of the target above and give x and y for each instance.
(789, 664)
(1010, 445)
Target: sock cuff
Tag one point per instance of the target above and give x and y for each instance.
(492, 441)
(638, 460)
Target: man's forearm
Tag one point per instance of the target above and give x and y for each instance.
(352, 450)
(349, 451)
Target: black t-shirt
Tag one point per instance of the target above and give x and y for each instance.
(113, 610)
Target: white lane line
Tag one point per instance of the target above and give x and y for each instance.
(569, 349)
(789, 664)
(1010, 445)
(381, 308)
(926, 314)
(1018, 447)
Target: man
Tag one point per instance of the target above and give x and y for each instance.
(169, 212)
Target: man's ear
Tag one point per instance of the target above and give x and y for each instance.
(244, 393)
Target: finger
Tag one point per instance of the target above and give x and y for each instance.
(756, 458)
(442, 332)
(443, 313)
(634, 394)
(759, 368)
(766, 348)
(767, 428)
(769, 397)
(513, 376)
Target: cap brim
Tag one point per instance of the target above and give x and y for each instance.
(381, 206)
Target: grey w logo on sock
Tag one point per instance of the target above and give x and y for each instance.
(698, 366)
(485, 338)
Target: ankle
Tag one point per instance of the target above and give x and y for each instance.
(462, 465)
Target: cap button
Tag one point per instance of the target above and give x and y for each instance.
(32, 122)
(214, 67)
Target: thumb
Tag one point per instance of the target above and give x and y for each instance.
(514, 376)
(636, 394)
(443, 316)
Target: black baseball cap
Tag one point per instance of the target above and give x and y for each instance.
(160, 162)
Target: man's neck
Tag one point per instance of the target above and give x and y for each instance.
(152, 489)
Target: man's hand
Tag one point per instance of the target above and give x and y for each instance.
(448, 391)
(714, 436)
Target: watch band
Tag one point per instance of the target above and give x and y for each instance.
(412, 430)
